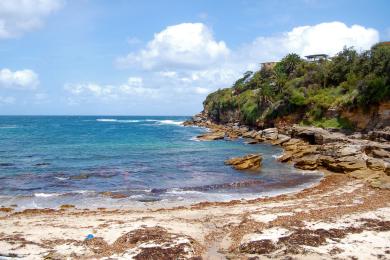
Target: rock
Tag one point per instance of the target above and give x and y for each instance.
(210, 136)
(285, 157)
(375, 164)
(316, 135)
(250, 134)
(252, 141)
(248, 162)
(387, 168)
(232, 135)
(379, 135)
(344, 164)
(382, 182)
(356, 136)
(281, 139)
(270, 134)
(307, 163)
(337, 150)
(380, 153)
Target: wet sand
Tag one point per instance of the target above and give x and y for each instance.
(341, 217)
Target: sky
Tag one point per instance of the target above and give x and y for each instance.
(125, 57)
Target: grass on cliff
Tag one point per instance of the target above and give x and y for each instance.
(309, 90)
(335, 122)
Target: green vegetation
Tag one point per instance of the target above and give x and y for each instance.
(314, 92)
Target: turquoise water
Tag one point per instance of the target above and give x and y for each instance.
(49, 161)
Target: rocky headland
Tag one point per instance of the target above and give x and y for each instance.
(358, 155)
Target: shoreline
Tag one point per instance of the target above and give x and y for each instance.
(238, 229)
(340, 217)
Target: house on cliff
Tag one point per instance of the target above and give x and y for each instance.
(316, 57)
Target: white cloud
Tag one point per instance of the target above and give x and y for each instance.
(200, 90)
(132, 88)
(135, 81)
(328, 38)
(20, 79)
(168, 74)
(186, 45)
(20, 16)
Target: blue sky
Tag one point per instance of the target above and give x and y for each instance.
(160, 57)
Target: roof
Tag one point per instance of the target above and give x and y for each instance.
(316, 56)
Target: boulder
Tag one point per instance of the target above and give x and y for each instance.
(285, 157)
(249, 134)
(380, 153)
(375, 164)
(307, 162)
(281, 139)
(210, 136)
(248, 162)
(232, 135)
(316, 135)
(379, 135)
(344, 164)
(252, 141)
(270, 134)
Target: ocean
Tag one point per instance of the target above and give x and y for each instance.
(127, 161)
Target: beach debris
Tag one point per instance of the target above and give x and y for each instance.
(67, 206)
(147, 243)
(247, 162)
(114, 195)
(6, 209)
(89, 237)
(81, 176)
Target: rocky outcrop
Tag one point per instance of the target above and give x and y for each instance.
(248, 162)
(210, 136)
(360, 155)
(315, 135)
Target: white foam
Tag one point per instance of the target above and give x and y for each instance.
(160, 122)
(117, 120)
(46, 195)
(8, 127)
(82, 191)
(61, 178)
(170, 122)
(106, 120)
(180, 191)
(194, 139)
(277, 156)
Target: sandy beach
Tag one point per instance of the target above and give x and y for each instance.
(340, 218)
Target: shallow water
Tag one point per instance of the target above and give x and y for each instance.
(49, 161)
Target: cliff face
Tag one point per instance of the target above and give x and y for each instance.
(349, 91)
